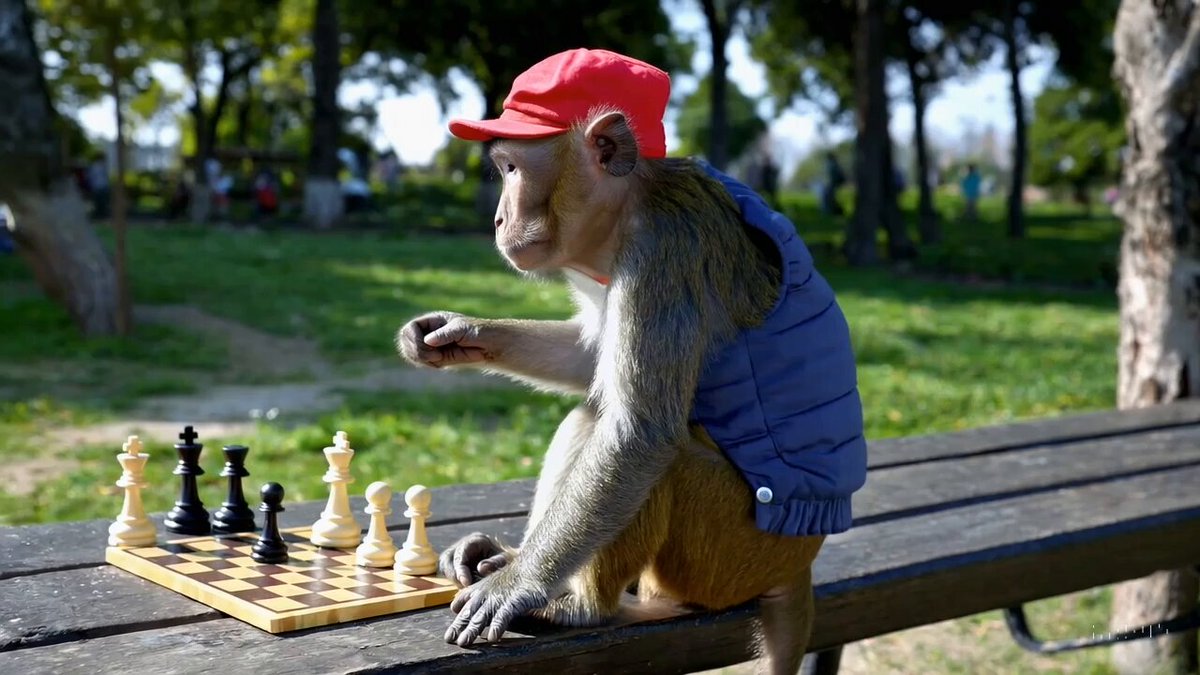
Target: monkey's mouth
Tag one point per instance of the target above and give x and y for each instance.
(524, 246)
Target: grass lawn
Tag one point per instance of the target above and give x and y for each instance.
(944, 344)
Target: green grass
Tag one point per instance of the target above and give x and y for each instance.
(934, 355)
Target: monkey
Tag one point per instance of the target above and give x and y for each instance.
(665, 274)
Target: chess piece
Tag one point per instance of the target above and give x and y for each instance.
(189, 515)
(132, 527)
(234, 515)
(417, 557)
(270, 548)
(377, 549)
(336, 528)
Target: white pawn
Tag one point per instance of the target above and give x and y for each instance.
(377, 549)
(336, 528)
(132, 527)
(417, 557)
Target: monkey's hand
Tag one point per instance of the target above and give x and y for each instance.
(492, 604)
(474, 556)
(443, 339)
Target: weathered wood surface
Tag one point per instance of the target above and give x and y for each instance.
(873, 579)
(982, 472)
(42, 548)
(1050, 431)
(87, 602)
(943, 529)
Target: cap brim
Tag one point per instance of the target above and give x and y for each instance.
(486, 130)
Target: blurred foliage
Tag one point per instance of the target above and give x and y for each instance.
(493, 41)
(694, 122)
(1076, 136)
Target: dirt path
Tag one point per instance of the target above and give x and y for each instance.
(230, 409)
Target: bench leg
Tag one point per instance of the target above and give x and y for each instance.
(824, 662)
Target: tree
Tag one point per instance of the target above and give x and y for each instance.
(1157, 67)
(51, 229)
(322, 192)
(1013, 37)
(832, 54)
(111, 37)
(940, 40)
(1076, 135)
(221, 38)
(493, 41)
(875, 203)
(721, 17)
(695, 121)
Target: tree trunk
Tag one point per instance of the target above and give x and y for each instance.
(1016, 191)
(900, 245)
(51, 228)
(1157, 66)
(200, 205)
(927, 218)
(323, 204)
(120, 202)
(871, 147)
(719, 28)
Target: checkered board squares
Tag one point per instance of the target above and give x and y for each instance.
(316, 587)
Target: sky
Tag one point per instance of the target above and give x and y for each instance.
(414, 125)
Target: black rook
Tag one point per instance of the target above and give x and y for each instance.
(189, 515)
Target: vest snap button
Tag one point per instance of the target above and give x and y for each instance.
(764, 495)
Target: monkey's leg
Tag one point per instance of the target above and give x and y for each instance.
(787, 620)
(595, 592)
(571, 435)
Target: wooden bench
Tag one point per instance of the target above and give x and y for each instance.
(948, 526)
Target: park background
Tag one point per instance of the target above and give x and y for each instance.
(268, 193)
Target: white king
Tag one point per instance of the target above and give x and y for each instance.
(336, 528)
(132, 527)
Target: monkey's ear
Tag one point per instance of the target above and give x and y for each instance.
(611, 141)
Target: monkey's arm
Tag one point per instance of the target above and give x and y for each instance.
(546, 354)
(651, 352)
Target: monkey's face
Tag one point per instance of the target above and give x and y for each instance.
(525, 229)
(562, 196)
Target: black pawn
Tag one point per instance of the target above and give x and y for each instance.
(189, 515)
(270, 548)
(234, 515)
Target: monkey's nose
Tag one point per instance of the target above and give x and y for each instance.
(499, 221)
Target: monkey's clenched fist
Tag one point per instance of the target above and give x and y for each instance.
(474, 556)
(444, 339)
(492, 604)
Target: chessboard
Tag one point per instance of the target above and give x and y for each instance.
(316, 587)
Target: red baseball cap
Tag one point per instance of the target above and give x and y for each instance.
(562, 89)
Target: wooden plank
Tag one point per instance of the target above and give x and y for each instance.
(905, 490)
(29, 549)
(912, 449)
(892, 492)
(873, 579)
(920, 488)
(61, 546)
(41, 609)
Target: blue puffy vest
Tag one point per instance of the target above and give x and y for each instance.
(782, 401)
